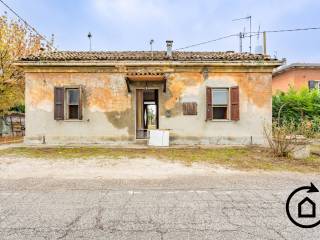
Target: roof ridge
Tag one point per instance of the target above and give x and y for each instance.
(146, 56)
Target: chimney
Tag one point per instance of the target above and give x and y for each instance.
(169, 48)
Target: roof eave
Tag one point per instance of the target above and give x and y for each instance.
(252, 63)
(293, 66)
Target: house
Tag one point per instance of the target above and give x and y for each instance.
(297, 76)
(116, 97)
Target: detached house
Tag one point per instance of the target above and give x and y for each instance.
(117, 97)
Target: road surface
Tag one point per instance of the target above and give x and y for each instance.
(219, 206)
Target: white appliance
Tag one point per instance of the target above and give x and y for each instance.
(159, 138)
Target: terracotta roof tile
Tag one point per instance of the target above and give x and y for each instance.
(145, 56)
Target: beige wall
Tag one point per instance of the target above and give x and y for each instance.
(109, 110)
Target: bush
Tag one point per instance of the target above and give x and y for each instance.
(302, 108)
(283, 139)
(18, 108)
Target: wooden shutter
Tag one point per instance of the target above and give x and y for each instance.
(312, 84)
(80, 102)
(58, 103)
(209, 103)
(235, 104)
(189, 108)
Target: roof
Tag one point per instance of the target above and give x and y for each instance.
(144, 56)
(292, 66)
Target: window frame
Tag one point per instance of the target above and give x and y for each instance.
(66, 103)
(228, 105)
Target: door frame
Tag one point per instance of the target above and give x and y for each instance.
(135, 109)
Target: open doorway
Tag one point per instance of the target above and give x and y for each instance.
(147, 112)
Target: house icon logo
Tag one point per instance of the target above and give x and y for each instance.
(303, 205)
(306, 208)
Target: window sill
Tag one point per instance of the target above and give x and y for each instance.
(221, 120)
(72, 120)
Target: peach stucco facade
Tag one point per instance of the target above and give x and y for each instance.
(294, 76)
(110, 103)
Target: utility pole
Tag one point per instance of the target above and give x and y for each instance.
(250, 20)
(264, 43)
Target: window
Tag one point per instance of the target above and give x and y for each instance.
(220, 103)
(67, 103)
(73, 103)
(223, 104)
(314, 84)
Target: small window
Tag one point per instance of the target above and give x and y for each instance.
(73, 103)
(220, 103)
(314, 84)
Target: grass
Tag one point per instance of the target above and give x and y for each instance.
(244, 158)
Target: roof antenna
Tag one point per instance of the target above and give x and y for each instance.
(250, 23)
(151, 43)
(259, 48)
(89, 36)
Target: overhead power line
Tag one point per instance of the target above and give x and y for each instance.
(246, 35)
(214, 40)
(291, 30)
(27, 24)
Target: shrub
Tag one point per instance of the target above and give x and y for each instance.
(282, 139)
(301, 108)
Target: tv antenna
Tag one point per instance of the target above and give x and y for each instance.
(249, 18)
(89, 36)
(151, 49)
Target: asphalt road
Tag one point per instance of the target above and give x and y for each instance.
(238, 206)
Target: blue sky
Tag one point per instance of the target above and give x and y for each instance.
(130, 24)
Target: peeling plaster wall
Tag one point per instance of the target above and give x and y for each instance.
(109, 110)
(255, 109)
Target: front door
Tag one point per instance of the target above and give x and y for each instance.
(147, 112)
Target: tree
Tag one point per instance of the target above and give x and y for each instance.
(16, 40)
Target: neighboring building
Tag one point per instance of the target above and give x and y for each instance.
(116, 97)
(297, 76)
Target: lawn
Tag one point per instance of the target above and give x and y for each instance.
(243, 158)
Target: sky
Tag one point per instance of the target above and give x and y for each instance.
(118, 25)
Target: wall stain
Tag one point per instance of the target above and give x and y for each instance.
(178, 84)
(255, 86)
(120, 119)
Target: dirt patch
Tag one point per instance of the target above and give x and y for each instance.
(100, 168)
(237, 158)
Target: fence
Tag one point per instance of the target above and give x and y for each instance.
(12, 128)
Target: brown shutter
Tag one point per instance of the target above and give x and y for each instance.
(235, 104)
(58, 103)
(80, 102)
(189, 108)
(209, 103)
